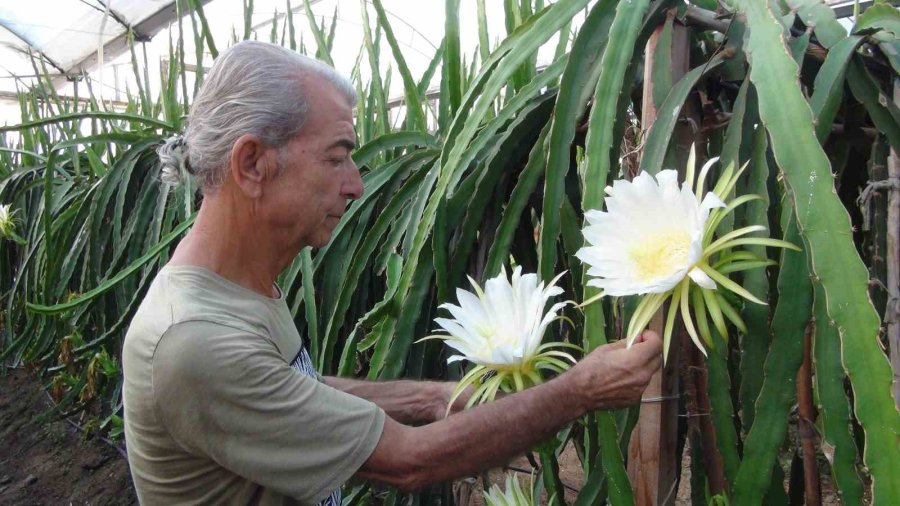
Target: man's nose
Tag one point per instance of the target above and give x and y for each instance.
(353, 187)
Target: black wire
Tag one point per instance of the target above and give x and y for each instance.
(113, 14)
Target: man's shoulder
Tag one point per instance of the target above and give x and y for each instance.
(184, 296)
(189, 293)
(200, 346)
(189, 346)
(194, 308)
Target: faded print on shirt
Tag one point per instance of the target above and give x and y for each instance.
(304, 364)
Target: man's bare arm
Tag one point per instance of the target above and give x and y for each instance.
(414, 457)
(408, 402)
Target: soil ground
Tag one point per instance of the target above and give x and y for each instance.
(52, 463)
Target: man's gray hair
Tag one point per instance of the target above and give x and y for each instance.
(253, 88)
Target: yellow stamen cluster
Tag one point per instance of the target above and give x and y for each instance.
(658, 254)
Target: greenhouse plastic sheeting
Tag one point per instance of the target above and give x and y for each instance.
(65, 31)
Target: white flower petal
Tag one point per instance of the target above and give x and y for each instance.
(711, 200)
(667, 179)
(702, 279)
(504, 326)
(649, 237)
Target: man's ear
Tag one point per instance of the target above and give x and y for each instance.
(250, 165)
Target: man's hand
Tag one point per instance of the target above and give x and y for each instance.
(613, 376)
(491, 434)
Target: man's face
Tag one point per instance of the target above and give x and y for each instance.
(318, 176)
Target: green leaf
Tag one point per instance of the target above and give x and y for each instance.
(133, 118)
(754, 344)
(576, 85)
(451, 72)
(789, 324)
(323, 53)
(884, 112)
(879, 17)
(386, 142)
(835, 418)
(829, 85)
(516, 205)
(113, 281)
(825, 225)
(534, 33)
(882, 23)
(309, 301)
(360, 258)
(197, 6)
(818, 15)
(599, 148)
(477, 203)
(721, 408)
(661, 131)
(413, 103)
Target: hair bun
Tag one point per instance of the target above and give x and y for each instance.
(173, 156)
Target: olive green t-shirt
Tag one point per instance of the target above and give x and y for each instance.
(222, 405)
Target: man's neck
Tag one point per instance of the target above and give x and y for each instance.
(223, 240)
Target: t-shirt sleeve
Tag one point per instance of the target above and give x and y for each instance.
(228, 394)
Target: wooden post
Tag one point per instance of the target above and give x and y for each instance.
(807, 412)
(652, 450)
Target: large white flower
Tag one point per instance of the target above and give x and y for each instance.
(502, 325)
(649, 237)
(500, 329)
(656, 239)
(7, 222)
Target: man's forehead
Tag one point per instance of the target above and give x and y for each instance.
(344, 129)
(320, 89)
(342, 133)
(329, 112)
(334, 110)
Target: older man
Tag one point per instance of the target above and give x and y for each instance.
(222, 404)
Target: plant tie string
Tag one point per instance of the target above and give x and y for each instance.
(650, 400)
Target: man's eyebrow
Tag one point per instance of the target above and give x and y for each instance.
(348, 144)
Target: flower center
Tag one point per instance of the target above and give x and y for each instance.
(659, 255)
(493, 338)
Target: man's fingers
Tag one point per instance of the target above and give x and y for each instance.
(650, 348)
(645, 336)
(618, 345)
(650, 335)
(651, 343)
(656, 361)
